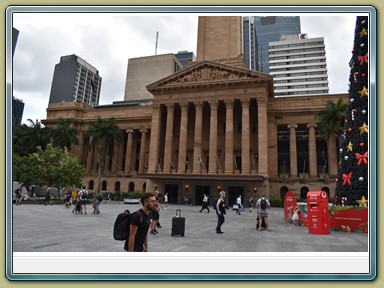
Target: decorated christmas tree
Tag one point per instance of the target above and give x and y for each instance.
(352, 180)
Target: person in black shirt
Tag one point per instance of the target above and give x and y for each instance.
(221, 208)
(139, 225)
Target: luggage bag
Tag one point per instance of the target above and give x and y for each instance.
(178, 224)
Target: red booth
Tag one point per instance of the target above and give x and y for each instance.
(318, 213)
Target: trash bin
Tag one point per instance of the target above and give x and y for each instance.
(318, 214)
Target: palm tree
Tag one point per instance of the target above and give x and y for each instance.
(332, 117)
(64, 135)
(331, 122)
(103, 132)
(26, 138)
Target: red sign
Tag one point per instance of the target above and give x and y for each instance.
(289, 206)
(347, 219)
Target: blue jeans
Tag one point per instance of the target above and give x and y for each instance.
(220, 221)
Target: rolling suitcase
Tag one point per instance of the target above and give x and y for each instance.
(178, 224)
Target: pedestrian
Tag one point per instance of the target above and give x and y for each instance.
(18, 196)
(83, 196)
(296, 217)
(189, 201)
(48, 197)
(155, 215)
(221, 208)
(139, 225)
(97, 200)
(109, 196)
(250, 201)
(238, 202)
(166, 201)
(205, 203)
(67, 197)
(263, 205)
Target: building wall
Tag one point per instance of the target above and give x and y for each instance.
(145, 70)
(299, 67)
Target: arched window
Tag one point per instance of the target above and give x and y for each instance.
(283, 191)
(117, 186)
(104, 185)
(303, 192)
(131, 187)
(326, 189)
(90, 185)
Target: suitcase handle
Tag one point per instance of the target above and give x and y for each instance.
(178, 212)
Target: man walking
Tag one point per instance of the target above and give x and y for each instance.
(221, 208)
(83, 195)
(238, 202)
(263, 205)
(205, 203)
(139, 225)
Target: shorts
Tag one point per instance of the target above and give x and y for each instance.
(263, 215)
(82, 202)
(155, 215)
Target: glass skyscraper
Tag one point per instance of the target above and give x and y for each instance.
(267, 29)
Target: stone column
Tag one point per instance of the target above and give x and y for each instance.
(197, 142)
(183, 138)
(293, 149)
(213, 138)
(245, 138)
(312, 150)
(120, 157)
(155, 139)
(229, 137)
(168, 139)
(81, 147)
(332, 155)
(142, 150)
(115, 156)
(89, 157)
(128, 153)
(263, 135)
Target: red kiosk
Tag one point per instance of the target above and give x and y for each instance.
(318, 213)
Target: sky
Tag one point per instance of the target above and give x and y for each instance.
(107, 42)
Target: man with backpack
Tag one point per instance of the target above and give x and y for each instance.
(139, 224)
(263, 205)
(83, 196)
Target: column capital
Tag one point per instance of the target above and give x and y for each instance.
(311, 125)
(294, 126)
(169, 106)
(229, 103)
(129, 131)
(143, 130)
(213, 104)
(155, 106)
(184, 105)
(262, 101)
(244, 103)
(198, 104)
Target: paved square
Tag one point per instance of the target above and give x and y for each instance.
(39, 228)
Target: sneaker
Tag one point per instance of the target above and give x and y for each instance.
(219, 232)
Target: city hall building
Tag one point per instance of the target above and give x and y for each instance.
(213, 126)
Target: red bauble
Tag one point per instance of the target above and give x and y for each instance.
(363, 75)
(353, 51)
(350, 130)
(337, 180)
(362, 145)
(346, 121)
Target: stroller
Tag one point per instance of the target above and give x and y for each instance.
(263, 226)
(77, 208)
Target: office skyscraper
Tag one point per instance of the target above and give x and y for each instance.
(298, 66)
(185, 57)
(75, 80)
(267, 29)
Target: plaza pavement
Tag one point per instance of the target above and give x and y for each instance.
(39, 228)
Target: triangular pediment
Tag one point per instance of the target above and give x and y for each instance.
(207, 72)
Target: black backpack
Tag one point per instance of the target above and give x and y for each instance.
(263, 204)
(214, 203)
(122, 225)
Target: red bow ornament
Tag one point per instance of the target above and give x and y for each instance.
(362, 158)
(347, 179)
(363, 59)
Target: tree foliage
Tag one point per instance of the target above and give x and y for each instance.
(64, 135)
(51, 166)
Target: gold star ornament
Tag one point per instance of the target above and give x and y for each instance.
(363, 32)
(363, 92)
(362, 202)
(349, 146)
(363, 128)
